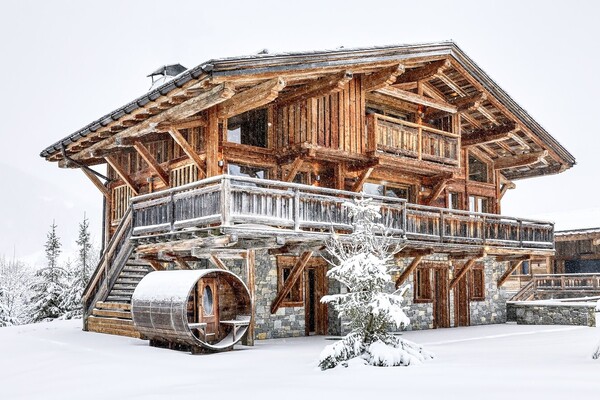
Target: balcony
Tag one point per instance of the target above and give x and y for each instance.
(256, 208)
(402, 138)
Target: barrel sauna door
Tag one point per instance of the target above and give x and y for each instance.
(208, 306)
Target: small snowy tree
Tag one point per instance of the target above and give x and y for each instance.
(48, 289)
(15, 278)
(362, 261)
(84, 244)
(75, 282)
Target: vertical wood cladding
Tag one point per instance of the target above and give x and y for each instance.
(336, 121)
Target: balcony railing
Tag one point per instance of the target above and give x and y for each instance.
(403, 138)
(228, 201)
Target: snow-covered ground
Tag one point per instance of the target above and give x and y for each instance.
(58, 361)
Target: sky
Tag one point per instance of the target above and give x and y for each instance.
(67, 63)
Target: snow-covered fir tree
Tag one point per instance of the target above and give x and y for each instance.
(48, 289)
(362, 262)
(84, 246)
(15, 278)
(75, 283)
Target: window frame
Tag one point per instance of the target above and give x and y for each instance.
(423, 288)
(477, 286)
(226, 130)
(295, 298)
(488, 174)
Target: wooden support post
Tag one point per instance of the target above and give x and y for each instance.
(362, 179)
(340, 175)
(514, 265)
(250, 265)
(122, 174)
(216, 261)
(295, 273)
(462, 272)
(181, 263)
(103, 189)
(151, 161)
(212, 143)
(155, 264)
(294, 169)
(437, 190)
(409, 270)
(187, 149)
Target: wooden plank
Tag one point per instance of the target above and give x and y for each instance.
(437, 190)
(418, 99)
(188, 150)
(212, 143)
(216, 261)
(296, 165)
(96, 181)
(519, 160)
(482, 136)
(463, 272)
(251, 272)
(111, 160)
(383, 78)
(409, 270)
(424, 73)
(112, 306)
(513, 267)
(362, 179)
(321, 87)
(295, 273)
(111, 313)
(155, 264)
(182, 264)
(252, 98)
(151, 161)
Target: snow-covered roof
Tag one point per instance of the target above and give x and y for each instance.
(577, 232)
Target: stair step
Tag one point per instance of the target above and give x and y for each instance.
(119, 299)
(136, 268)
(125, 281)
(120, 292)
(112, 306)
(124, 286)
(112, 313)
(137, 275)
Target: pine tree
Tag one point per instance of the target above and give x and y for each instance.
(363, 262)
(48, 289)
(15, 278)
(84, 243)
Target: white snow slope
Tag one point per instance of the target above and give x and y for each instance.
(58, 361)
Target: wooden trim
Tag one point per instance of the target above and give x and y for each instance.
(155, 264)
(151, 161)
(463, 271)
(362, 179)
(383, 78)
(96, 181)
(255, 97)
(296, 165)
(521, 160)
(513, 267)
(483, 136)
(321, 87)
(409, 270)
(216, 261)
(295, 273)
(418, 99)
(424, 73)
(122, 174)
(188, 150)
(181, 263)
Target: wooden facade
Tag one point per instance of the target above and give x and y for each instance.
(261, 152)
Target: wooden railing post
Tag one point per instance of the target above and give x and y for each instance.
(171, 207)
(225, 201)
(296, 209)
(484, 229)
(442, 225)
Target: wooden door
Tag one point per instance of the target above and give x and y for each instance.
(462, 311)
(315, 312)
(441, 298)
(208, 306)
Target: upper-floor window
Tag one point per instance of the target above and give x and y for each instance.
(454, 201)
(247, 171)
(478, 170)
(479, 204)
(398, 191)
(249, 128)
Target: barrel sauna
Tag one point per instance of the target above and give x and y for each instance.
(198, 310)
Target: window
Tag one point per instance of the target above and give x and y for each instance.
(422, 285)
(454, 201)
(380, 189)
(478, 170)
(249, 128)
(479, 204)
(477, 290)
(207, 301)
(294, 298)
(247, 170)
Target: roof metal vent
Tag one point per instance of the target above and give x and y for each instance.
(165, 74)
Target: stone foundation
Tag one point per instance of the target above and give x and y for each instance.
(552, 313)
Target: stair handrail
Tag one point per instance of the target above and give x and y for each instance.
(525, 290)
(101, 270)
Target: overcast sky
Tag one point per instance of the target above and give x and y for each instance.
(66, 63)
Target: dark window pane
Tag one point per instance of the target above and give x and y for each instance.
(478, 170)
(249, 128)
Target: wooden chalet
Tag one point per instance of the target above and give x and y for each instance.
(243, 164)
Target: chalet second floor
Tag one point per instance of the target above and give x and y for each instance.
(419, 123)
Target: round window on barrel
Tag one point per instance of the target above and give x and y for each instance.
(207, 301)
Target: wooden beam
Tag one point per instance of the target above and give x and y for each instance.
(462, 272)
(155, 264)
(505, 187)
(424, 73)
(320, 87)
(437, 190)
(521, 160)
(295, 273)
(151, 161)
(409, 270)
(249, 99)
(482, 136)
(362, 179)
(216, 261)
(294, 169)
(122, 174)
(96, 181)
(250, 273)
(418, 99)
(212, 143)
(383, 78)
(471, 120)
(216, 95)
(483, 111)
(514, 265)
(450, 83)
(187, 149)
(181, 263)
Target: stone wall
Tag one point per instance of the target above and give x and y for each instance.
(555, 313)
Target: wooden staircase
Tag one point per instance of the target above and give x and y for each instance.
(112, 318)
